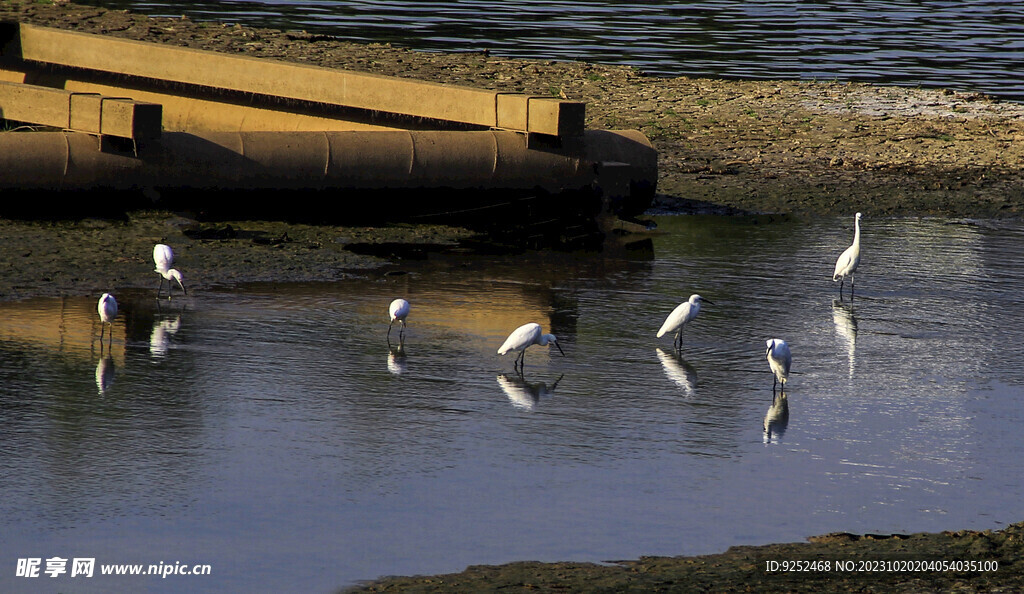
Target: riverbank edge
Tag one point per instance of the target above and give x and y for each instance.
(964, 561)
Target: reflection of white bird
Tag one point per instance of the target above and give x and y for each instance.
(679, 371)
(846, 327)
(163, 257)
(160, 338)
(779, 360)
(523, 394)
(107, 308)
(848, 261)
(776, 419)
(398, 311)
(104, 375)
(396, 360)
(524, 337)
(683, 313)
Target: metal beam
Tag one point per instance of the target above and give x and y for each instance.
(311, 84)
(81, 112)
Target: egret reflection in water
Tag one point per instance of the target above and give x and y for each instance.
(679, 371)
(846, 329)
(525, 395)
(776, 419)
(396, 359)
(104, 374)
(160, 338)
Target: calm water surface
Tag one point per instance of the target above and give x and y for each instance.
(272, 433)
(969, 46)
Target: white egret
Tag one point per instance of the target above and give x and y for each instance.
(398, 311)
(780, 360)
(848, 261)
(683, 313)
(163, 257)
(107, 307)
(526, 336)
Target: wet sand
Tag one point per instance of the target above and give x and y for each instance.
(801, 148)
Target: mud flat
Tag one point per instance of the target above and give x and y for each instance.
(803, 148)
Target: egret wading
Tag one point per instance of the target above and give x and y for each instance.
(163, 257)
(848, 261)
(780, 360)
(398, 311)
(107, 307)
(523, 337)
(683, 313)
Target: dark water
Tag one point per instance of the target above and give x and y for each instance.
(967, 46)
(271, 432)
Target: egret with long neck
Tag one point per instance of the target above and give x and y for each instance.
(848, 261)
(526, 336)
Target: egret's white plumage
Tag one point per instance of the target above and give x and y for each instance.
(526, 336)
(163, 258)
(780, 360)
(848, 261)
(107, 308)
(683, 313)
(398, 311)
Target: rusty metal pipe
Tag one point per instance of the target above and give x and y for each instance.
(323, 160)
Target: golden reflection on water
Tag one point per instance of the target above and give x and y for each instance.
(66, 326)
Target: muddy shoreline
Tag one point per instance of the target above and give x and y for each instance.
(800, 148)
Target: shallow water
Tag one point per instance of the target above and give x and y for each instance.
(974, 46)
(270, 432)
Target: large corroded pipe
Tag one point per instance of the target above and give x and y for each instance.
(324, 160)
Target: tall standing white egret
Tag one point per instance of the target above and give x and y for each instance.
(163, 258)
(526, 336)
(780, 360)
(107, 308)
(683, 313)
(398, 311)
(848, 261)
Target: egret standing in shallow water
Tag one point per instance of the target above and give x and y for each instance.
(163, 257)
(848, 261)
(780, 360)
(108, 311)
(683, 313)
(398, 311)
(523, 337)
